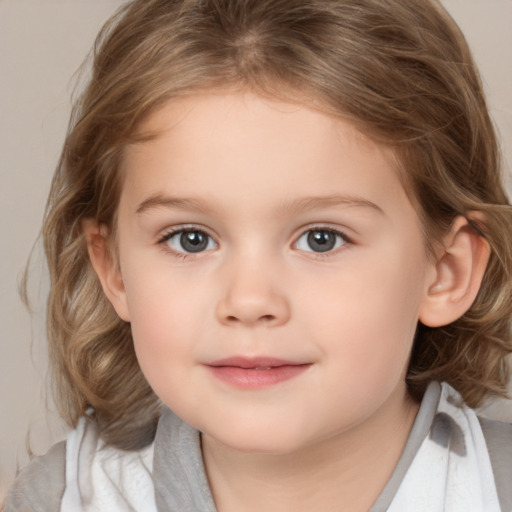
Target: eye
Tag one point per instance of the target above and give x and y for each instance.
(320, 240)
(189, 241)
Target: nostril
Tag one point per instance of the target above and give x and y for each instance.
(263, 318)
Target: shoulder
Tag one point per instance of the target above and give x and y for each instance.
(39, 487)
(83, 469)
(498, 437)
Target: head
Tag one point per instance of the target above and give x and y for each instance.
(399, 72)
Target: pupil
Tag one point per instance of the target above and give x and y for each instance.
(321, 241)
(193, 241)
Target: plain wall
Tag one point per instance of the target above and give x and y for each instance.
(42, 43)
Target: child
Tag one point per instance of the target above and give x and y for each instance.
(278, 243)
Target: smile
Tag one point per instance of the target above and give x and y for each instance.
(254, 373)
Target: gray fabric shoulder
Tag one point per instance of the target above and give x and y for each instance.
(179, 475)
(498, 436)
(40, 485)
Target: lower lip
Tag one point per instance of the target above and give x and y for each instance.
(250, 378)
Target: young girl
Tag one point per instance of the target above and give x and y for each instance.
(280, 256)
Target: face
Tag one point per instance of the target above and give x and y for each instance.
(273, 270)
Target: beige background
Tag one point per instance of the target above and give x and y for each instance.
(42, 43)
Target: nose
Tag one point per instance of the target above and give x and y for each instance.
(251, 297)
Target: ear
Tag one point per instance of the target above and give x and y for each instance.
(458, 273)
(105, 266)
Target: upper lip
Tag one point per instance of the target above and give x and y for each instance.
(253, 362)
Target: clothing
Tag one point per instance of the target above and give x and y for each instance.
(444, 466)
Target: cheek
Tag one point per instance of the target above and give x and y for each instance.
(165, 323)
(365, 327)
(160, 301)
(369, 313)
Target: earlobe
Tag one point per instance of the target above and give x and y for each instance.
(458, 274)
(105, 266)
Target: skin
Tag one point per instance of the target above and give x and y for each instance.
(256, 176)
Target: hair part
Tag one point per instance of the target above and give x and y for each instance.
(400, 70)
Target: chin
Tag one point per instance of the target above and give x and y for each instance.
(258, 439)
(260, 447)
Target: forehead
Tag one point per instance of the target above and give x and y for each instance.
(243, 145)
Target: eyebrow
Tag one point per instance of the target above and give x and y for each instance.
(314, 203)
(303, 204)
(180, 203)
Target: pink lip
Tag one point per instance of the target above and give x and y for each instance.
(257, 372)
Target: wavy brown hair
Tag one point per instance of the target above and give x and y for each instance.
(399, 69)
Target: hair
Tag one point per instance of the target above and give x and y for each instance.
(399, 69)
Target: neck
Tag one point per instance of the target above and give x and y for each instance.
(349, 468)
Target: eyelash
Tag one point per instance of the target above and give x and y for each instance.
(164, 239)
(343, 242)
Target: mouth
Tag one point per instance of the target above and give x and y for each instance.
(255, 372)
